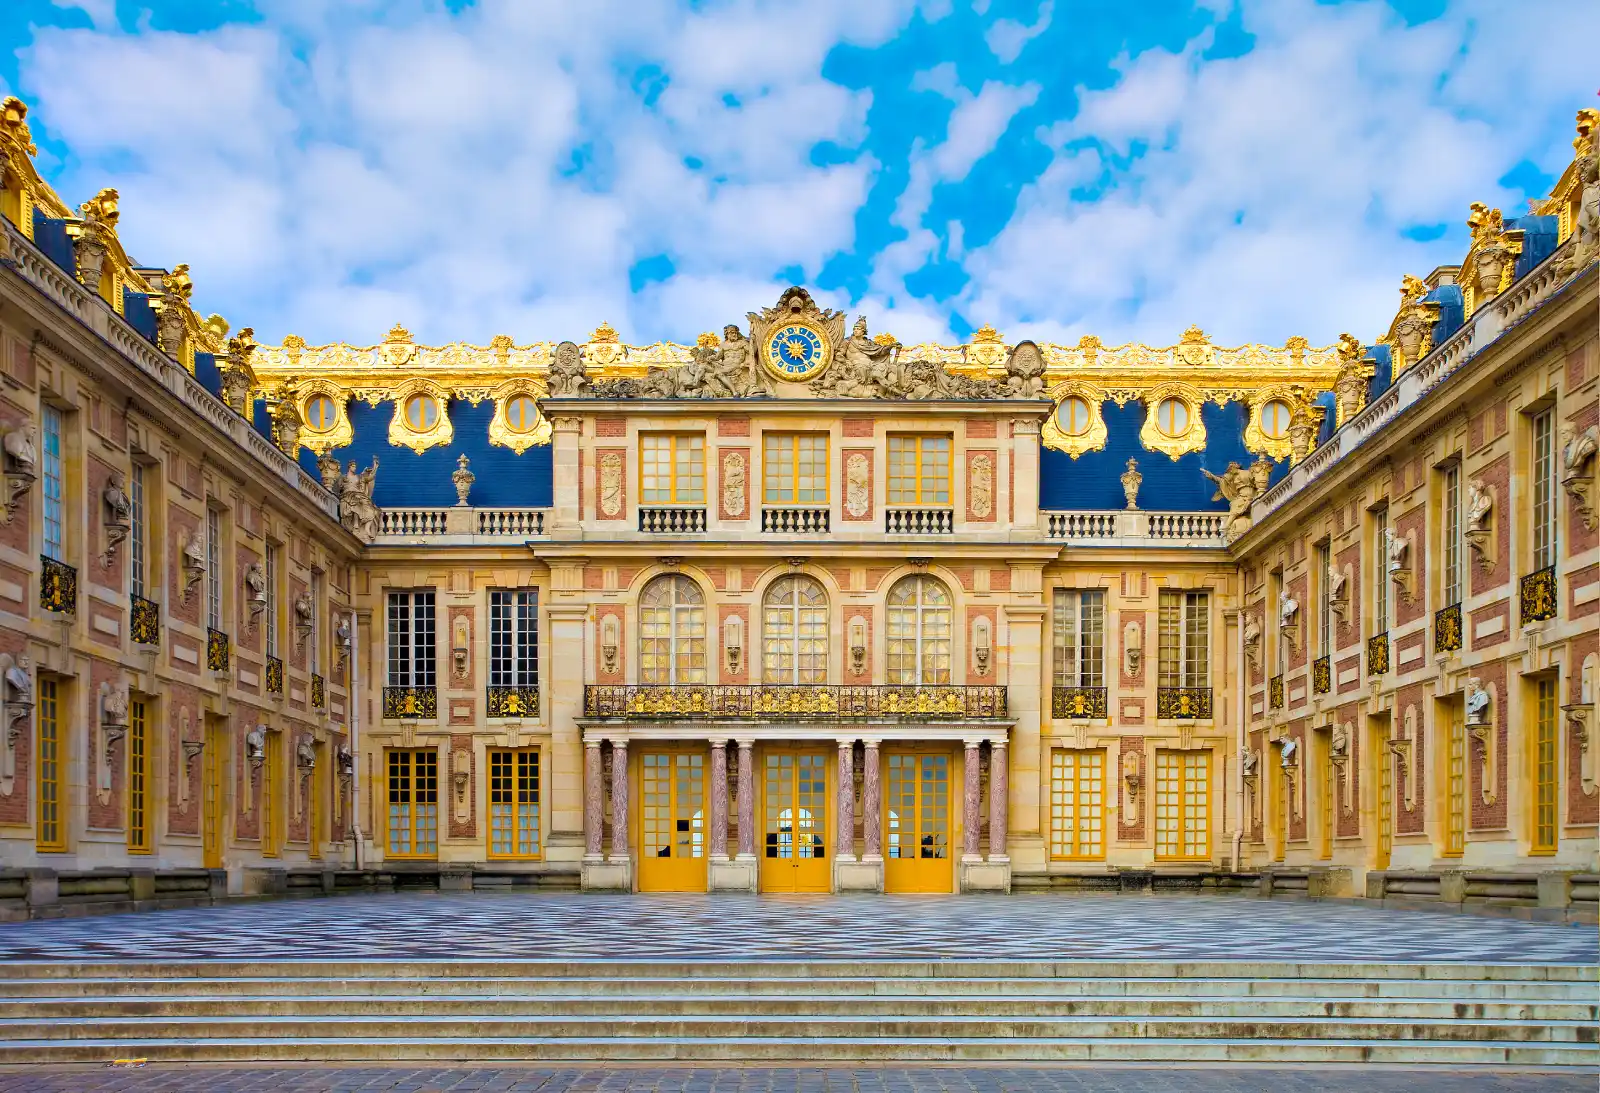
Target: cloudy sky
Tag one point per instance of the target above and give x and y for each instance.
(1262, 168)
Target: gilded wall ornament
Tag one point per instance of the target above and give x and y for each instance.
(987, 348)
(1076, 424)
(1172, 424)
(421, 416)
(324, 414)
(518, 422)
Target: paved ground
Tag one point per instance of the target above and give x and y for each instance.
(489, 925)
(747, 1080)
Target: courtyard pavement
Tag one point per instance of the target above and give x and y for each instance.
(174, 1078)
(572, 926)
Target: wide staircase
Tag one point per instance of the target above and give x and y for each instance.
(810, 1012)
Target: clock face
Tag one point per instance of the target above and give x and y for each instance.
(795, 351)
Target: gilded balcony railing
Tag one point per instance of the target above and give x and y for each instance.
(219, 650)
(793, 702)
(1537, 595)
(58, 585)
(274, 676)
(144, 621)
(1322, 675)
(1447, 629)
(1071, 702)
(1378, 654)
(1275, 693)
(513, 701)
(319, 693)
(1183, 702)
(408, 702)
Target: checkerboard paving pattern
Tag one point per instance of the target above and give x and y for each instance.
(573, 926)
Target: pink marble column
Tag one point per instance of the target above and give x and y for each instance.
(847, 801)
(999, 799)
(593, 800)
(871, 806)
(747, 799)
(971, 791)
(619, 800)
(719, 800)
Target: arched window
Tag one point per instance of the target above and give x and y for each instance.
(794, 634)
(919, 631)
(672, 631)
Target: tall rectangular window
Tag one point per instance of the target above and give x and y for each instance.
(1455, 799)
(1183, 805)
(1380, 570)
(271, 609)
(271, 789)
(53, 468)
(1324, 598)
(1280, 644)
(1327, 792)
(51, 833)
(672, 469)
(138, 778)
(794, 468)
(213, 569)
(138, 534)
(1450, 534)
(514, 803)
(1077, 804)
(1185, 652)
(411, 639)
(1079, 627)
(314, 639)
(413, 803)
(1544, 489)
(514, 637)
(1546, 767)
(919, 470)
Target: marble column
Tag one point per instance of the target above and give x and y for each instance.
(999, 790)
(719, 800)
(593, 801)
(971, 791)
(619, 800)
(847, 801)
(747, 799)
(871, 806)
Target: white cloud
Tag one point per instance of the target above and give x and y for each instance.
(1006, 37)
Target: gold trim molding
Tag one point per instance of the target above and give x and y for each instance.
(1191, 440)
(402, 435)
(1093, 439)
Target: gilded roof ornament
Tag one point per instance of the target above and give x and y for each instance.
(986, 333)
(1410, 336)
(708, 340)
(605, 332)
(1588, 130)
(14, 132)
(885, 338)
(1194, 348)
(1490, 264)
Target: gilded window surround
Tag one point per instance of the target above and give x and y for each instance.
(1193, 439)
(341, 433)
(1092, 439)
(500, 431)
(401, 434)
(1256, 441)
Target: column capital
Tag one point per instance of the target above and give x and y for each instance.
(745, 742)
(975, 742)
(871, 741)
(592, 742)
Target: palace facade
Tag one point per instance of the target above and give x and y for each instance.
(796, 607)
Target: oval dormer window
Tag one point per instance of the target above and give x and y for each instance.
(422, 413)
(1275, 417)
(321, 414)
(1172, 416)
(522, 414)
(1073, 417)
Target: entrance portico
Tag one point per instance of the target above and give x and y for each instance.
(788, 807)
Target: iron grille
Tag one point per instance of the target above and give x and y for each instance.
(1537, 595)
(219, 650)
(794, 702)
(1275, 693)
(1322, 675)
(58, 586)
(513, 701)
(1183, 702)
(1447, 629)
(1378, 654)
(144, 621)
(274, 676)
(410, 702)
(1075, 702)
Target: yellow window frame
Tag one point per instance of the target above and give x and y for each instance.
(1545, 763)
(1077, 804)
(677, 494)
(774, 443)
(50, 764)
(138, 777)
(507, 770)
(1183, 799)
(271, 785)
(918, 445)
(415, 765)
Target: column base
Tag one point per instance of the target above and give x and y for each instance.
(613, 875)
(985, 876)
(858, 876)
(738, 875)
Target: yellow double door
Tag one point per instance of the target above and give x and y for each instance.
(796, 830)
(918, 835)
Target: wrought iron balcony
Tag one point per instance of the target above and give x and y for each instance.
(1537, 595)
(144, 621)
(58, 586)
(793, 702)
(274, 676)
(1447, 629)
(806, 521)
(1078, 702)
(1378, 654)
(1322, 675)
(513, 701)
(406, 703)
(660, 520)
(1275, 693)
(940, 521)
(319, 693)
(1183, 702)
(219, 650)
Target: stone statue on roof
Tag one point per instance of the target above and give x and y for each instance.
(730, 369)
(1586, 226)
(357, 511)
(1236, 486)
(1025, 371)
(567, 378)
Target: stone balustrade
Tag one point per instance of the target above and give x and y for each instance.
(458, 525)
(1133, 527)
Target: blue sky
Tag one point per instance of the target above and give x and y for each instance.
(1261, 168)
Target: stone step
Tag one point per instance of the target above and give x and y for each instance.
(807, 1049)
(670, 1027)
(531, 1006)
